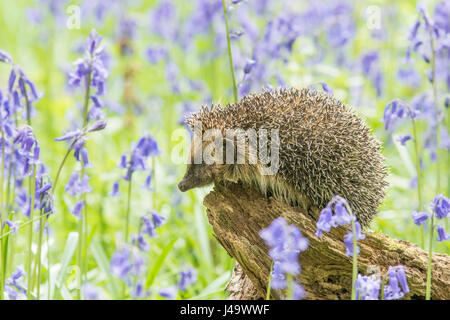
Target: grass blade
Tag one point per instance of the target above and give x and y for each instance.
(158, 263)
(103, 263)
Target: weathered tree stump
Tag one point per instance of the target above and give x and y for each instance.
(237, 213)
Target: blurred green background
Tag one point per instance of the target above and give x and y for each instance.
(46, 48)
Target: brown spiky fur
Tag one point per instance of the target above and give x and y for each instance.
(325, 149)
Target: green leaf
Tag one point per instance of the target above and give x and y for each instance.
(65, 293)
(69, 250)
(217, 286)
(201, 227)
(158, 263)
(103, 263)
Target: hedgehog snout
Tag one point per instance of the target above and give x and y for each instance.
(182, 186)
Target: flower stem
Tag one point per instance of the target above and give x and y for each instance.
(86, 98)
(290, 286)
(2, 181)
(38, 257)
(2, 284)
(82, 229)
(27, 102)
(269, 282)
(48, 265)
(418, 172)
(436, 109)
(430, 251)
(60, 169)
(37, 263)
(230, 55)
(4, 243)
(355, 254)
(355, 261)
(1, 260)
(86, 234)
(79, 249)
(127, 221)
(30, 234)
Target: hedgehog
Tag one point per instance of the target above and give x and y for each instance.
(324, 149)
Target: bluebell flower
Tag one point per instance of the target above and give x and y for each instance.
(78, 207)
(91, 69)
(123, 162)
(441, 206)
(324, 223)
(23, 202)
(115, 190)
(403, 139)
(348, 240)
(445, 139)
(158, 220)
(13, 226)
(14, 286)
(326, 88)
(442, 16)
(120, 265)
(393, 113)
(398, 285)
(76, 186)
(127, 32)
(44, 195)
(28, 150)
(127, 27)
(90, 292)
(341, 216)
(278, 278)
(414, 30)
(275, 233)
(145, 148)
(367, 287)
(326, 218)
(97, 126)
(95, 113)
(419, 217)
(84, 158)
(249, 66)
(168, 292)
(285, 242)
(409, 76)
(187, 277)
(23, 92)
(138, 239)
(138, 291)
(78, 147)
(155, 55)
(298, 292)
(5, 57)
(70, 135)
(371, 69)
(148, 182)
(368, 61)
(127, 263)
(148, 226)
(162, 15)
(78, 142)
(151, 223)
(442, 235)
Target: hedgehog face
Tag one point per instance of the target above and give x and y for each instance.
(199, 174)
